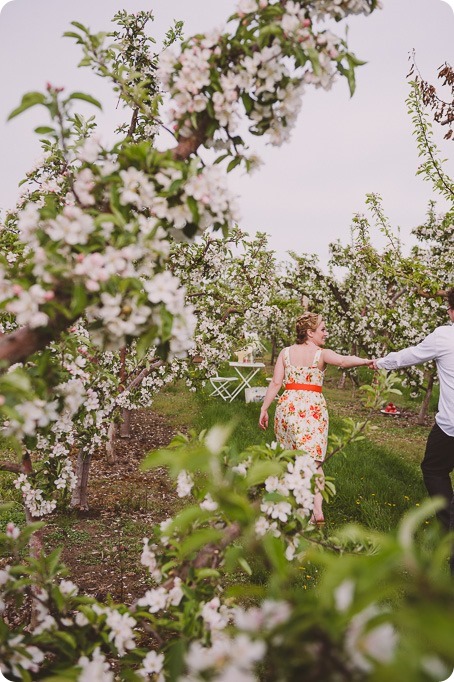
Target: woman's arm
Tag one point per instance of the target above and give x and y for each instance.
(344, 361)
(273, 390)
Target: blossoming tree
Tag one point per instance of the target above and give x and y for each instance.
(93, 243)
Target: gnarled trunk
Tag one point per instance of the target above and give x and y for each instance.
(424, 410)
(125, 426)
(110, 445)
(79, 499)
(342, 380)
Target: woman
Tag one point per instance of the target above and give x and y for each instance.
(301, 421)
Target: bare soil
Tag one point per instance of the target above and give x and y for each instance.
(102, 547)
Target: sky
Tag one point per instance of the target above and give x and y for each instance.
(306, 192)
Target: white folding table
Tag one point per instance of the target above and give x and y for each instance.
(246, 371)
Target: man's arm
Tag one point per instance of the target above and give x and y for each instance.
(414, 355)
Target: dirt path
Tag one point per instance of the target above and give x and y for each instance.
(102, 547)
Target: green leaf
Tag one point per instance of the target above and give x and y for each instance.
(194, 208)
(44, 130)
(233, 163)
(85, 98)
(248, 102)
(167, 324)
(350, 76)
(222, 157)
(67, 638)
(186, 518)
(198, 539)
(414, 519)
(71, 34)
(235, 506)
(53, 560)
(30, 99)
(315, 61)
(78, 300)
(259, 471)
(244, 564)
(69, 675)
(81, 27)
(175, 659)
(207, 573)
(276, 553)
(145, 342)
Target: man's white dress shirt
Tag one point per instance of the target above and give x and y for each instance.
(438, 346)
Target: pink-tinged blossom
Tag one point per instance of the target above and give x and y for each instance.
(95, 668)
(266, 617)
(32, 415)
(148, 559)
(343, 595)
(208, 503)
(89, 151)
(24, 657)
(277, 510)
(26, 307)
(121, 630)
(246, 6)
(12, 531)
(184, 484)
(155, 600)
(215, 615)
(162, 288)
(72, 226)
(137, 189)
(83, 187)
(5, 575)
(366, 645)
(68, 588)
(176, 593)
(237, 656)
(152, 663)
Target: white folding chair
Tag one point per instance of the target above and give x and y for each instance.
(221, 386)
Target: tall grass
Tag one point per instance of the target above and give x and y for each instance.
(375, 485)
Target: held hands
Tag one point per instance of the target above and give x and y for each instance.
(373, 364)
(263, 419)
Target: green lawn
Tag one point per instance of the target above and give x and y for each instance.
(377, 479)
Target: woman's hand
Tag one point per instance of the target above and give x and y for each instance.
(263, 420)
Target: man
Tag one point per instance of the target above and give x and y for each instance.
(438, 460)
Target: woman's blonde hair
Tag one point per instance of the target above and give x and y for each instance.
(306, 321)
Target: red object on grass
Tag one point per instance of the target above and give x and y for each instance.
(391, 409)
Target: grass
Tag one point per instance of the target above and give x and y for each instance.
(377, 479)
(177, 403)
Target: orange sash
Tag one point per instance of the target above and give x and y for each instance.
(303, 387)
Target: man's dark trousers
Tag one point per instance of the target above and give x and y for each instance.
(436, 467)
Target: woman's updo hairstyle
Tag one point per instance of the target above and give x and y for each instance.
(307, 321)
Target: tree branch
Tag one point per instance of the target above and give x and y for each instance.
(10, 466)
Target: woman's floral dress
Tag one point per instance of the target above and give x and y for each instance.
(301, 421)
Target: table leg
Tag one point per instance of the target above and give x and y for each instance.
(244, 381)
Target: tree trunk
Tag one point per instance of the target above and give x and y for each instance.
(79, 499)
(35, 546)
(110, 445)
(125, 426)
(424, 411)
(355, 381)
(342, 380)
